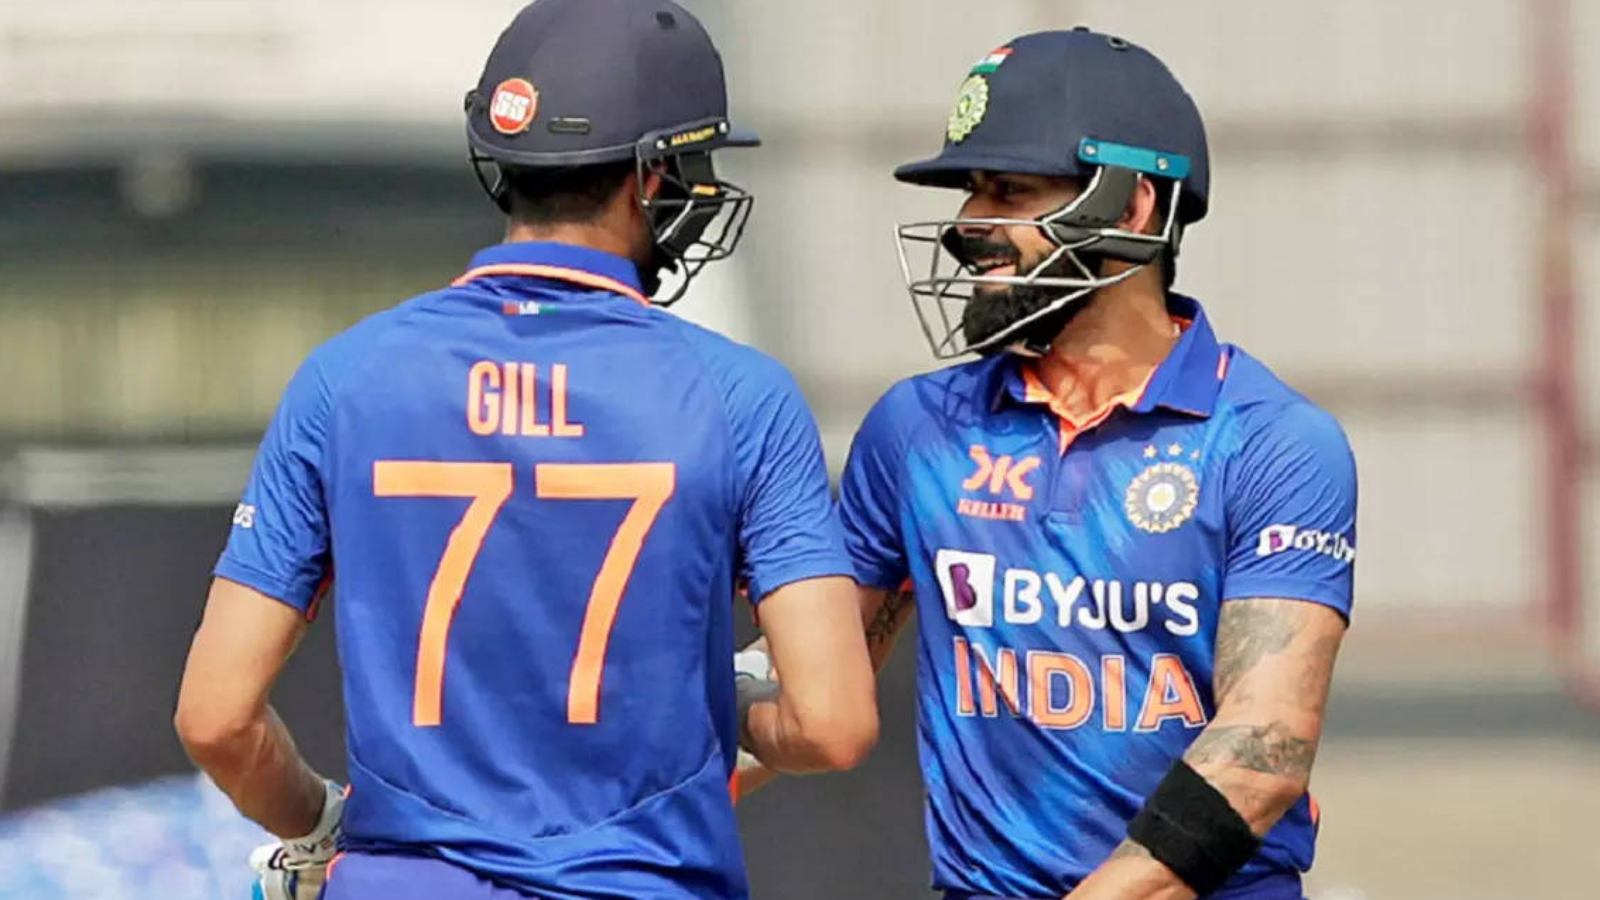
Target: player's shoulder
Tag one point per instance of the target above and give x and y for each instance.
(1266, 411)
(933, 402)
(737, 368)
(328, 371)
(357, 345)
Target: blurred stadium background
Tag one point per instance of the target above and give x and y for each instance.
(1406, 217)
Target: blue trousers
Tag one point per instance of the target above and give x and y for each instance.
(363, 876)
(1271, 887)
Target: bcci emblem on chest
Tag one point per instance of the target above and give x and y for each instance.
(1162, 497)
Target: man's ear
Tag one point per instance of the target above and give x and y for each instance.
(651, 184)
(1142, 215)
(640, 187)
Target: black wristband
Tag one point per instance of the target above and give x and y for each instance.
(750, 690)
(1192, 829)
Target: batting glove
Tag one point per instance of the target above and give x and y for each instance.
(295, 869)
(752, 683)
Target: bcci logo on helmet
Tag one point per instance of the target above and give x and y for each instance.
(967, 582)
(971, 105)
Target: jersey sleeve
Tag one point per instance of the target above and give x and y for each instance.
(279, 544)
(869, 499)
(788, 530)
(1292, 512)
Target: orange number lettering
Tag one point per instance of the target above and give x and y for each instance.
(488, 485)
(648, 485)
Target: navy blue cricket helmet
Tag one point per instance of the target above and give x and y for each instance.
(1078, 104)
(575, 83)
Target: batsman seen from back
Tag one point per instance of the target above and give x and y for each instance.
(537, 490)
(1130, 545)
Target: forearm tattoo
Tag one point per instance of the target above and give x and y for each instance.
(887, 620)
(1252, 634)
(1247, 634)
(1269, 749)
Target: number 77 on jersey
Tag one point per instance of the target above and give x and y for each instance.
(489, 485)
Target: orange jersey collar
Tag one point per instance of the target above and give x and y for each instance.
(583, 267)
(1187, 381)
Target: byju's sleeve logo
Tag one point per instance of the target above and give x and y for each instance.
(967, 582)
(1275, 539)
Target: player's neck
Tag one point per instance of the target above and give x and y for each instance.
(593, 235)
(1110, 348)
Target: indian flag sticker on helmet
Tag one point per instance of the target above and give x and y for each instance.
(971, 104)
(513, 106)
(991, 62)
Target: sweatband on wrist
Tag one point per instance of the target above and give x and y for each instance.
(1192, 829)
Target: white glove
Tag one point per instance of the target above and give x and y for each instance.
(752, 678)
(753, 661)
(295, 869)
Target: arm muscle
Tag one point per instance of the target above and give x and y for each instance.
(1274, 665)
(223, 718)
(826, 715)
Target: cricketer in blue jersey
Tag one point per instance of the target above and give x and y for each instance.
(536, 491)
(1130, 544)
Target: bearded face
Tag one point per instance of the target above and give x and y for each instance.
(995, 307)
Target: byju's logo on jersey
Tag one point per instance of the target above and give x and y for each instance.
(1280, 538)
(967, 582)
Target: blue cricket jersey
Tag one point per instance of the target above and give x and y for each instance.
(1069, 578)
(537, 492)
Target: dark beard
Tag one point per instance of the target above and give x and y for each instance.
(994, 308)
